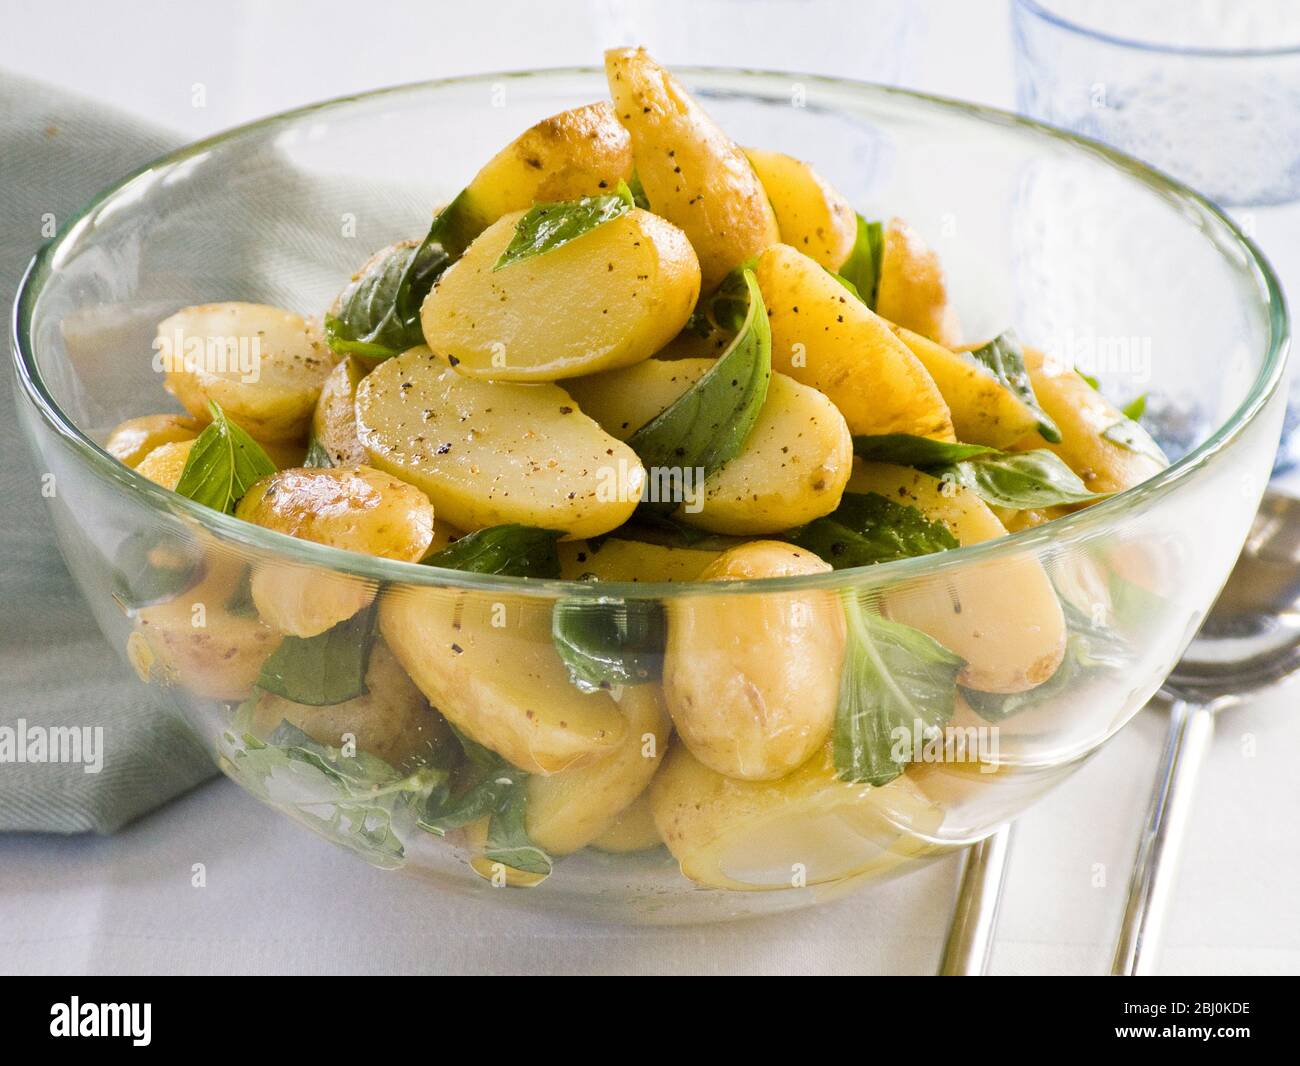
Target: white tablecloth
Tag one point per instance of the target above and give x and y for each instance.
(277, 899)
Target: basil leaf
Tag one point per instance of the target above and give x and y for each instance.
(507, 837)
(358, 801)
(637, 190)
(1135, 408)
(222, 465)
(451, 232)
(546, 227)
(1131, 436)
(520, 551)
(907, 450)
(152, 567)
(1096, 385)
(1002, 356)
(708, 424)
(1021, 481)
(609, 642)
(318, 455)
(326, 669)
(861, 270)
(367, 322)
(868, 528)
(896, 682)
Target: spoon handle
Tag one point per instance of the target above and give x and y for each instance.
(970, 935)
(1191, 728)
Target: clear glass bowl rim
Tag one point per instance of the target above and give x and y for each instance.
(1036, 9)
(229, 529)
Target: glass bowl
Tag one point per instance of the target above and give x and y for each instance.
(1086, 252)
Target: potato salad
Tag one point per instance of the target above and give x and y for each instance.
(630, 350)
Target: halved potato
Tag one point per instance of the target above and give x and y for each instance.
(807, 828)
(165, 463)
(810, 212)
(391, 720)
(611, 298)
(581, 152)
(1083, 415)
(489, 453)
(567, 811)
(1002, 617)
(912, 290)
(615, 559)
(984, 411)
(334, 422)
(135, 438)
(694, 175)
(489, 665)
(265, 366)
(633, 829)
(355, 508)
(752, 679)
(793, 466)
(824, 337)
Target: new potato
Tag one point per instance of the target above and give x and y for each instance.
(912, 290)
(334, 422)
(616, 559)
(810, 213)
(134, 439)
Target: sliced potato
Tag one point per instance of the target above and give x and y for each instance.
(823, 337)
(810, 212)
(334, 422)
(752, 680)
(807, 828)
(615, 559)
(391, 720)
(1002, 617)
(1083, 415)
(135, 438)
(491, 668)
(265, 366)
(912, 290)
(581, 152)
(611, 298)
(693, 173)
(792, 469)
(489, 453)
(984, 411)
(567, 811)
(196, 641)
(633, 829)
(165, 463)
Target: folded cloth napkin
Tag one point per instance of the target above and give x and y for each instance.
(56, 669)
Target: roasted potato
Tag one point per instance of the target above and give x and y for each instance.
(752, 681)
(692, 172)
(611, 298)
(824, 337)
(811, 215)
(488, 453)
(912, 290)
(265, 366)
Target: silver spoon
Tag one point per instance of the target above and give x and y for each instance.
(1250, 641)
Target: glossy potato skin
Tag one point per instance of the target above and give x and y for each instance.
(488, 453)
(334, 422)
(693, 173)
(1003, 617)
(611, 298)
(752, 680)
(294, 362)
(391, 720)
(793, 466)
(983, 410)
(568, 810)
(135, 438)
(584, 151)
(492, 670)
(822, 336)
(810, 213)
(913, 292)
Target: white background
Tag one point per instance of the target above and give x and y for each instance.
(277, 899)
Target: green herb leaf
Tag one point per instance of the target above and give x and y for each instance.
(507, 837)
(1128, 434)
(708, 424)
(222, 465)
(861, 270)
(358, 801)
(317, 454)
(520, 551)
(155, 567)
(638, 192)
(869, 528)
(546, 227)
(1135, 408)
(907, 450)
(1022, 481)
(609, 642)
(450, 233)
(1089, 379)
(368, 322)
(325, 669)
(1002, 356)
(894, 677)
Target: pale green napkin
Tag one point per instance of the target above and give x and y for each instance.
(56, 669)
